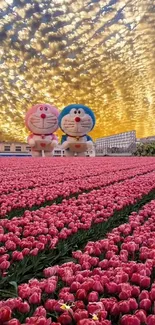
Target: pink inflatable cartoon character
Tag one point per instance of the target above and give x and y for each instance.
(42, 121)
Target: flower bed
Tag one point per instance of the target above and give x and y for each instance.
(30, 173)
(111, 282)
(55, 265)
(18, 201)
(64, 226)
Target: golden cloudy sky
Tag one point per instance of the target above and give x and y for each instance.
(100, 53)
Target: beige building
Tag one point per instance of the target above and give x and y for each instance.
(14, 147)
(22, 149)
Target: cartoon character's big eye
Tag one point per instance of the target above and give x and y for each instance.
(46, 108)
(81, 112)
(41, 108)
(73, 111)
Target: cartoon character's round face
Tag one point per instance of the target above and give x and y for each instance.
(42, 119)
(76, 120)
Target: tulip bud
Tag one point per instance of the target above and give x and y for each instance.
(24, 307)
(24, 291)
(65, 319)
(74, 286)
(50, 304)
(141, 314)
(80, 314)
(145, 304)
(151, 320)
(152, 294)
(97, 286)
(40, 311)
(5, 314)
(93, 296)
(111, 287)
(135, 291)
(145, 282)
(50, 287)
(115, 310)
(17, 256)
(78, 305)
(133, 304)
(144, 295)
(86, 321)
(81, 294)
(4, 265)
(129, 320)
(14, 321)
(124, 307)
(35, 298)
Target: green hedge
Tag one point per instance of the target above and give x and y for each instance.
(145, 149)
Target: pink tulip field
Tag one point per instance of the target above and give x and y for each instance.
(77, 241)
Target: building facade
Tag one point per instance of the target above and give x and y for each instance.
(146, 140)
(15, 148)
(122, 143)
(23, 149)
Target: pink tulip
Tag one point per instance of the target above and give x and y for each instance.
(141, 314)
(124, 307)
(151, 320)
(17, 256)
(145, 304)
(93, 296)
(65, 319)
(130, 320)
(152, 294)
(5, 314)
(144, 295)
(81, 294)
(13, 321)
(35, 298)
(40, 311)
(80, 314)
(24, 307)
(24, 291)
(50, 304)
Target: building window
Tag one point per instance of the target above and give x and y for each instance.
(28, 148)
(6, 148)
(58, 152)
(18, 148)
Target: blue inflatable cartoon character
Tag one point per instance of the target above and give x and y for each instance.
(76, 121)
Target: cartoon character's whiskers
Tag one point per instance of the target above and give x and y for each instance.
(85, 125)
(51, 121)
(69, 124)
(51, 117)
(35, 116)
(35, 119)
(51, 125)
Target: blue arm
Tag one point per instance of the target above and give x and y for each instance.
(63, 139)
(89, 138)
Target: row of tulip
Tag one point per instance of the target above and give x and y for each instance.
(106, 284)
(39, 232)
(46, 194)
(17, 175)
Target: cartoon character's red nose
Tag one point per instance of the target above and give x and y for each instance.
(77, 119)
(43, 115)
